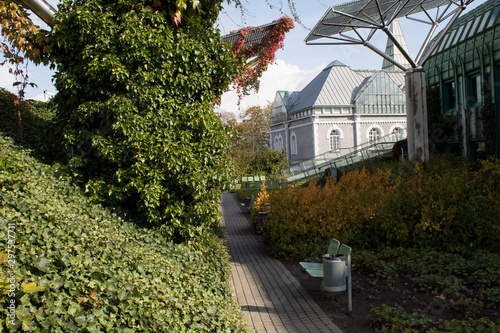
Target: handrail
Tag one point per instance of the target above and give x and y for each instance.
(356, 155)
(318, 160)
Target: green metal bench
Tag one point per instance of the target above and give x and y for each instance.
(315, 269)
(332, 249)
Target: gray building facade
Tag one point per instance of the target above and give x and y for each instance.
(338, 110)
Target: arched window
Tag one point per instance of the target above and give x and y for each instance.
(397, 134)
(276, 143)
(280, 145)
(293, 140)
(334, 140)
(374, 136)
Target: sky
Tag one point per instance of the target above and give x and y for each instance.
(296, 64)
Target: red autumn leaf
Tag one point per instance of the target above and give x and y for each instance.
(176, 18)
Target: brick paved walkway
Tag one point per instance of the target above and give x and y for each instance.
(271, 299)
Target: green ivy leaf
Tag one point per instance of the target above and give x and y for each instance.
(43, 264)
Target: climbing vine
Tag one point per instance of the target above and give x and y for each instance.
(136, 82)
(258, 54)
(24, 41)
(20, 33)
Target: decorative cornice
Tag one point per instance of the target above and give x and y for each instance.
(330, 123)
(350, 122)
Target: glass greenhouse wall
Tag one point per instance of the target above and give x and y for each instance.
(381, 95)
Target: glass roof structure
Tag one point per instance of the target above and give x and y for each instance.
(254, 35)
(367, 14)
(471, 45)
(376, 15)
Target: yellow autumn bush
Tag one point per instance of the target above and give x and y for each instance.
(438, 204)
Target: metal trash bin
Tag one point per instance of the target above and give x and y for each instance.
(334, 272)
(262, 219)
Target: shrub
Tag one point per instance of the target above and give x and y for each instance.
(395, 319)
(446, 204)
(135, 103)
(98, 271)
(35, 130)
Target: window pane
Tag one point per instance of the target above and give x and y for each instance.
(374, 136)
(334, 140)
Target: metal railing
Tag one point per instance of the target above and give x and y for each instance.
(343, 159)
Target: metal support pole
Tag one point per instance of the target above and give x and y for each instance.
(416, 112)
(349, 284)
(424, 58)
(385, 56)
(399, 46)
(42, 9)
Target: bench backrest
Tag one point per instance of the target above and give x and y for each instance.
(344, 249)
(333, 247)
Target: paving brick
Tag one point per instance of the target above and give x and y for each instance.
(271, 299)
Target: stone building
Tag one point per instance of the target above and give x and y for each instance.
(339, 109)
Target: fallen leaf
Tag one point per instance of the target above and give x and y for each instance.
(31, 287)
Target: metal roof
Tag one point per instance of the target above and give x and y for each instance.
(366, 72)
(380, 76)
(337, 84)
(366, 13)
(396, 75)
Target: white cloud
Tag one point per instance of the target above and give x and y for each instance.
(280, 76)
(43, 91)
(7, 79)
(45, 97)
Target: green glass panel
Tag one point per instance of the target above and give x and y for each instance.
(467, 31)
(483, 21)
(457, 39)
(452, 37)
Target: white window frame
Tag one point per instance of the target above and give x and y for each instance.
(339, 138)
(371, 139)
(394, 135)
(293, 145)
(334, 140)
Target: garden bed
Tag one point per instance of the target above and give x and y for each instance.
(370, 293)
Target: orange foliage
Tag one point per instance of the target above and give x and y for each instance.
(454, 209)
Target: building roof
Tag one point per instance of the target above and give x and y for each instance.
(337, 84)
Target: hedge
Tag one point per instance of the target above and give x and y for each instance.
(446, 204)
(80, 267)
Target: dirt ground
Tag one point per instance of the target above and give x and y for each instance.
(366, 293)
